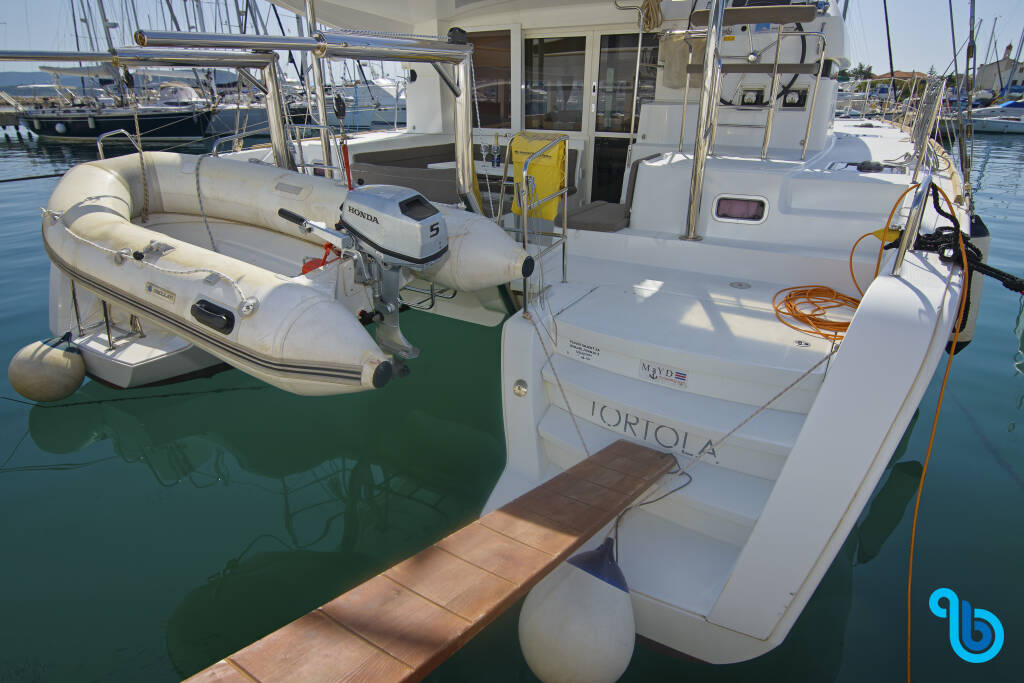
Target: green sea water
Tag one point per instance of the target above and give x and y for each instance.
(146, 534)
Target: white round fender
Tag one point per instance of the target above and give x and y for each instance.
(577, 625)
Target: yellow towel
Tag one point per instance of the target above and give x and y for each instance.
(548, 171)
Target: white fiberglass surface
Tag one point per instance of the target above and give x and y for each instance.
(721, 316)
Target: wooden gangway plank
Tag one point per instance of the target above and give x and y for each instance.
(403, 623)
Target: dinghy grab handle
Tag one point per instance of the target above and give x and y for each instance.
(214, 316)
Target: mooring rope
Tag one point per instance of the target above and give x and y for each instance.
(144, 216)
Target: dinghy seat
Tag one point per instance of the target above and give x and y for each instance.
(602, 216)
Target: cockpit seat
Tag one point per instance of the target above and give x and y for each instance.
(602, 216)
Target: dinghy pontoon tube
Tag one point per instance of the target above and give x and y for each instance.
(219, 268)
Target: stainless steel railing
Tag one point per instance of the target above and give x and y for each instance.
(710, 98)
(913, 226)
(296, 128)
(920, 135)
(924, 124)
(525, 189)
(120, 131)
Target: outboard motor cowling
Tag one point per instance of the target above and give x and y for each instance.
(397, 228)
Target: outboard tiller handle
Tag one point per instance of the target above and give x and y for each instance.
(292, 217)
(339, 239)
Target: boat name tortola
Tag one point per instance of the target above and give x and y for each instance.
(639, 427)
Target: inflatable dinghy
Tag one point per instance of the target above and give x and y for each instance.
(201, 260)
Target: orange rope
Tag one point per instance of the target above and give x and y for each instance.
(853, 249)
(935, 424)
(810, 306)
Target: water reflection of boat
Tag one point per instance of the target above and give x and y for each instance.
(347, 510)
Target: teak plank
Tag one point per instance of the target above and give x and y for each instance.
(530, 529)
(455, 584)
(610, 479)
(497, 553)
(587, 492)
(312, 649)
(401, 624)
(404, 624)
(221, 672)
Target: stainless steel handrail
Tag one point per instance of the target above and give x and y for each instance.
(707, 117)
(237, 136)
(913, 226)
(120, 131)
(922, 134)
(709, 94)
(525, 205)
(641, 19)
(318, 80)
(773, 93)
(325, 133)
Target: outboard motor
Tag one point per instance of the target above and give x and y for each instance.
(386, 228)
(398, 228)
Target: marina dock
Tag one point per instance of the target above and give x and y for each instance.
(401, 624)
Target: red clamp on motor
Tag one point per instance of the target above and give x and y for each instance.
(312, 264)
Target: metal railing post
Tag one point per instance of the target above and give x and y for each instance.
(913, 223)
(321, 105)
(771, 97)
(465, 168)
(641, 19)
(814, 98)
(686, 92)
(923, 135)
(275, 119)
(705, 117)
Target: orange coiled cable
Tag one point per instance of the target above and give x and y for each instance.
(810, 306)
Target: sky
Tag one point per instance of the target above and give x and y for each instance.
(920, 28)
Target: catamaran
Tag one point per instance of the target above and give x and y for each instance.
(683, 245)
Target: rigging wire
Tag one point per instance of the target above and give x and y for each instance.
(888, 42)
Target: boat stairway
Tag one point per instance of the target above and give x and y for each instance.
(676, 367)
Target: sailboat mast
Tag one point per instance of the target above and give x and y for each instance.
(78, 47)
(110, 43)
(88, 26)
(200, 18)
(991, 36)
(1013, 66)
(174, 18)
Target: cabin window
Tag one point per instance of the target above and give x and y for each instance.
(553, 82)
(492, 61)
(741, 209)
(616, 71)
